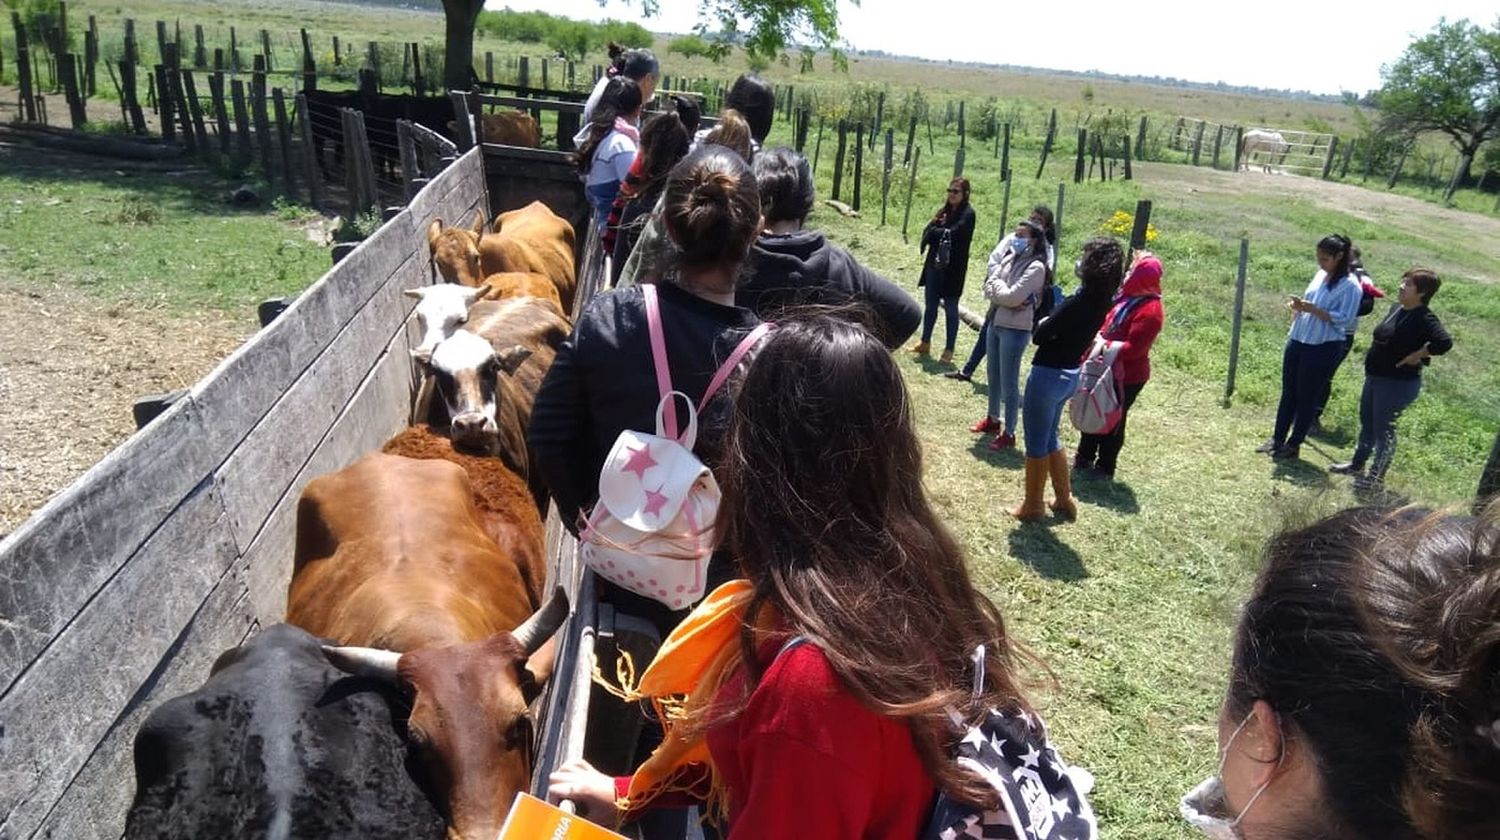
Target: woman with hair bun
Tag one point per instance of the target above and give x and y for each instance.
(1364, 692)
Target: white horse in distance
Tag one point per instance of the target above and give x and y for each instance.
(1270, 144)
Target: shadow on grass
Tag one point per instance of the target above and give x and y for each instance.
(1037, 546)
(1300, 472)
(1106, 493)
(1011, 458)
(1337, 436)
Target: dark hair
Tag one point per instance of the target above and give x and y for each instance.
(754, 98)
(634, 64)
(732, 132)
(1339, 246)
(712, 211)
(1048, 225)
(1426, 281)
(941, 216)
(1375, 634)
(821, 507)
(1102, 267)
(621, 96)
(786, 184)
(664, 141)
(688, 111)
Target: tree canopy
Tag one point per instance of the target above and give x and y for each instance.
(1447, 81)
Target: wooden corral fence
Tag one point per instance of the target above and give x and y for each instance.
(1216, 144)
(123, 589)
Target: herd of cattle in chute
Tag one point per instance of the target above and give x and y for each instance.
(395, 701)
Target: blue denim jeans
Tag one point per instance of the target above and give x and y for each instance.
(602, 198)
(1306, 370)
(1380, 405)
(1006, 346)
(1047, 391)
(933, 296)
(981, 347)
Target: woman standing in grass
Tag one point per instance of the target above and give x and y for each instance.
(1129, 330)
(1014, 284)
(1325, 314)
(1401, 346)
(1041, 215)
(1061, 340)
(946, 241)
(1364, 693)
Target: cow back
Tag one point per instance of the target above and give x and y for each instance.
(517, 284)
(535, 239)
(278, 743)
(391, 553)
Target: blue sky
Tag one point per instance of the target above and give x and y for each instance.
(1324, 46)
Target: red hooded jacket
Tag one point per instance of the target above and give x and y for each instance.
(1136, 319)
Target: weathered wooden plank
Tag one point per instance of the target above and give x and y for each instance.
(95, 804)
(457, 188)
(377, 412)
(62, 707)
(60, 558)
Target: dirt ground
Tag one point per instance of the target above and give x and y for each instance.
(71, 367)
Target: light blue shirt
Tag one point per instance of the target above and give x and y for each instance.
(1341, 301)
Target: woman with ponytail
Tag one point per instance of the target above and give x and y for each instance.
(608, 151)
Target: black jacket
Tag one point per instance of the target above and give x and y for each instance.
(1403, 332)
(958, 261)
(803, 268)
(604, 382)
(1064, 336)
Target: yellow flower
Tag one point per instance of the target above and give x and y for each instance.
(1122, 223)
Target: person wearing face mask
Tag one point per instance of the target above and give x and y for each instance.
(1017, 276)
(1362, 700)
(1041, 215)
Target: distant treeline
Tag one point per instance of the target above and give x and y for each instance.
(420, 5)
(573, 38)
(1168, 81)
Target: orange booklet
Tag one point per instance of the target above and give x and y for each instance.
(532, 819)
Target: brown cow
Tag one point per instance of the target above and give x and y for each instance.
(393, 558)
(509, 128)
(533, 238)
(457, 253)
(515, 284)
(488, 374)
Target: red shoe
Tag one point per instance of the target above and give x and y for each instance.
(985, 426)
(1003, 441)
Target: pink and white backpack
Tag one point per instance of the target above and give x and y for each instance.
(652, 530)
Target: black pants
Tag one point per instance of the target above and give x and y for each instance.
(1103, 451)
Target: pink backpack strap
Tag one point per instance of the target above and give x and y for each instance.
(659, 355)
(722, 374)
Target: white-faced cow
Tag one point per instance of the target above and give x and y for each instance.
(395, 563)
(1270, 145)
(279, 743)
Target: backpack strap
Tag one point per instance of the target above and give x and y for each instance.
(735, 357)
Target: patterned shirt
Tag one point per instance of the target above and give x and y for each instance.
(1341, 301)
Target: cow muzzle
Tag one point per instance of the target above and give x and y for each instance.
(473, 428)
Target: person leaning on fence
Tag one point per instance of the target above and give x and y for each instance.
(1325, 314)
(664, 142)
(1364, 689)
(1401, 346)
(816, 705)
(1130, 328)
(638, 65)
(791, 267)
(610, 148)
(1014, 282)
(1041, 215)
(946, 241)
(1062, 338)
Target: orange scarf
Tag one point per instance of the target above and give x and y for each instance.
(682, 681)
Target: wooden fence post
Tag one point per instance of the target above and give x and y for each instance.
(1198, 141)
(958, 161)
(1142, 224)
(241, 121)
(1126, 139)
(1348, 154)
(1333, 148)
(309, 154)
(265, 50)
(195, 111)
(91, 57)
(1464, 162)
(1218, 142)
(859, 163)
(1083, 139)
(309, 64)
(411, 168)
(1489, 480)
(184, 112)
(132, 101)
(885, 177)
(1004, 202)
(1239, 314)
(1400, 163)
(463, 118)
(221, 113)
(911, 188)
(523, 72)
(961, 132)
(284, 143)
(879, 118)
(489, 67)
(132, 49)
(164, 106)
(838, 158)
(69, 72)
(258, 113)
(23, 62)
(338, 55)
(200, 51)
(1005, 153)
(1140, 138)
(911, 136)
(1057, 212)
(1239, 146)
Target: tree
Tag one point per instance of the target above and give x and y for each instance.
(1449, 82)
(769, 27)
(573, 39)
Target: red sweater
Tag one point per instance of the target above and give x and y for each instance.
(1141, 325)
(805, 759)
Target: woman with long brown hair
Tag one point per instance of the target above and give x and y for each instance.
(819, 687)
(946, 241)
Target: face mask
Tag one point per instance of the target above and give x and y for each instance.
(1205, 807)
(1020, 244)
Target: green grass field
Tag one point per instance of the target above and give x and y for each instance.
(1132, 606)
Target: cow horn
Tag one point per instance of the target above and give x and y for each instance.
(535, 631)
(364, 661)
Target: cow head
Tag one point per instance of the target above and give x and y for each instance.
(441, 310)
(467, 371)
(470, 722)
(456, 250)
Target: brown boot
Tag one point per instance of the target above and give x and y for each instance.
(1034, 507)
(1062, 486)
(922, 348)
